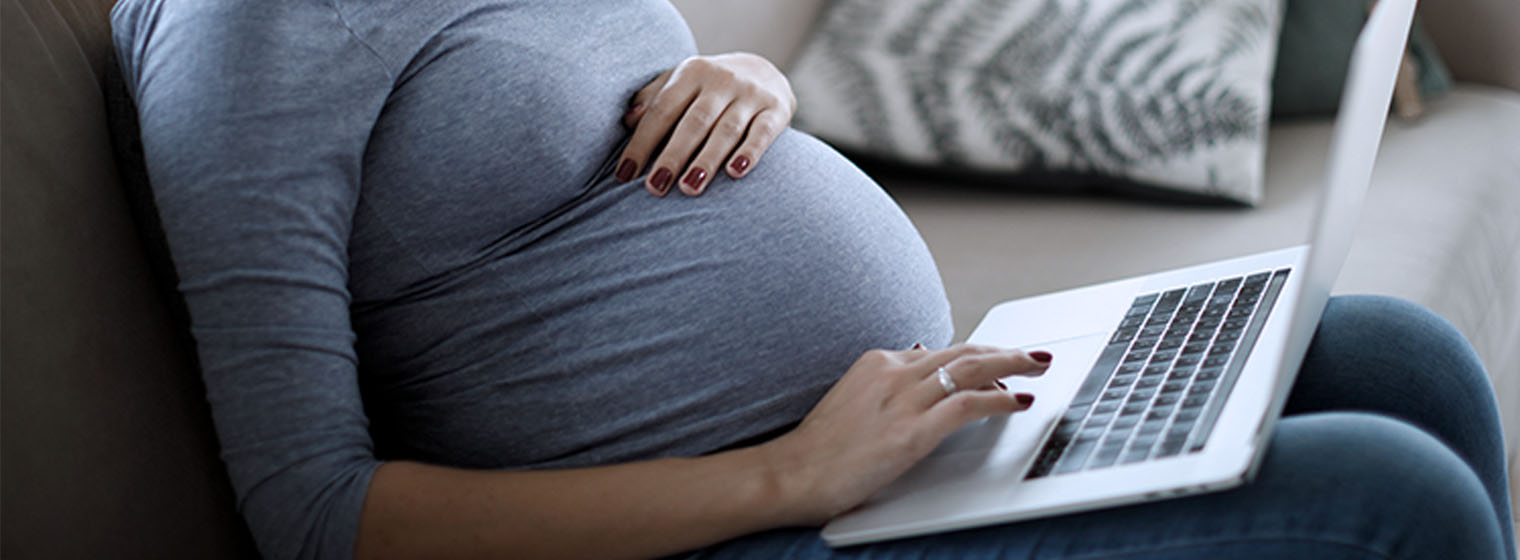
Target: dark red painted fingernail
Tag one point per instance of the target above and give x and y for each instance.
(1040, 356)
(660, 180)
(1025, 399)
(1000, 384)
(918, 346)
(739, 164)
(694, 178)
(625, 171)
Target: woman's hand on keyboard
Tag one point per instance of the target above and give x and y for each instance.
(885, 414)
(711, 113)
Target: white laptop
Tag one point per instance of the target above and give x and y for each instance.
(1163, 385)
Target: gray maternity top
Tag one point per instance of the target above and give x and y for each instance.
(399, 235)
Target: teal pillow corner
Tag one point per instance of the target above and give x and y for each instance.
(1314, 51)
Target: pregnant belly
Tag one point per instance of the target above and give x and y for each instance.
(635, 327)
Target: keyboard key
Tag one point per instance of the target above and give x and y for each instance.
(1065, 431)
(1171, 446)
(1135, 455)
(1125, 423)
(1043, 463)
(1075, 456)
(1181, 430)
(1074, 414)
(1090, 433)
(1105, 456)
(1163, 410)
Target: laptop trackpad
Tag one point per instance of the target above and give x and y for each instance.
(1001, 448)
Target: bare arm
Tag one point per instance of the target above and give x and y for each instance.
(626, 511)
(886, 413)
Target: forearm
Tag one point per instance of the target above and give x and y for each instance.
(633, 510)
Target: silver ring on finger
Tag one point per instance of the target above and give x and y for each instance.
(945, 381)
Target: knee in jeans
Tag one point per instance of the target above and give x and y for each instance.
(1392, 323)
(1397, 339)
(1404, 479)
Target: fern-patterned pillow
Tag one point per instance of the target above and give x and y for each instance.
(1162, 93)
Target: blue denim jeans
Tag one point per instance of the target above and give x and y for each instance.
(1390, 447)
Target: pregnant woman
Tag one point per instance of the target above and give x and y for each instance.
(448, 302)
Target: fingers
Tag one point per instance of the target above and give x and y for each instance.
(710, 113)
(951, 413)
(763, 130)
(970, 367)
(659, 116)
(689, 135)
(721, 141)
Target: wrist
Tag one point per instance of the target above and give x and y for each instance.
(790, 482)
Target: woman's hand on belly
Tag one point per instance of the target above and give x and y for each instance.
(711, 112)
(885, 414)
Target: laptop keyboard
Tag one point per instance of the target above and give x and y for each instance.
(1158, 387)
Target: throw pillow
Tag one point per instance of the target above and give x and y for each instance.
(1315, 50)
(1166, 94)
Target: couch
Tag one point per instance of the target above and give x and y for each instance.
(1441, 225)
(108, 449)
